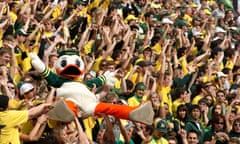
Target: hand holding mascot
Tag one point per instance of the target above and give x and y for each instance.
(76, 95)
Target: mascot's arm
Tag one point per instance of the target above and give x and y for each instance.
(107, 78)
(99, 81)
(52, 78)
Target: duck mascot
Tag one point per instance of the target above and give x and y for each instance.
(77, 95)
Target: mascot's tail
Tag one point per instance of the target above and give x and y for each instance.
(143, 113)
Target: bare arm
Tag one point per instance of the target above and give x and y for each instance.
(123, 131)
(33, 112)
(37, 130)
(82, 137)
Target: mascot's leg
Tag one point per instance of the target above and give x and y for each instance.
(143, 113)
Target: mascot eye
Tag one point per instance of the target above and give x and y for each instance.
(78, 63)
(63, 63)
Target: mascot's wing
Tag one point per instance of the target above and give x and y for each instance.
(37, 63)
(110, 78)
(107, 78)
(52, 78)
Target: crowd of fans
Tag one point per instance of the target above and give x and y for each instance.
(181, 55)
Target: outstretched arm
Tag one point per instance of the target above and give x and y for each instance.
(52, 78)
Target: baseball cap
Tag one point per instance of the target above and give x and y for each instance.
(221, 74)
(219, 29)
(61, 112)
(167, 21)
(140, 86)
(26, 87)
(161, 125)
(21, 32)
(3, 102)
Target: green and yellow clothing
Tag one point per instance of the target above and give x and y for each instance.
(157, 48)
(205, 78)
(183, 62)
(14, 104)
(88, 47)
(166, 97)
(84, 13)
(229, 64)
(188, 19)
(13, 17)
(57, 12)
(89, 124)
(162, 140)
(196, 99)
(191, 125)
(122, 142)
(99, 3)
(96, 65)
(175, 105)
(136, 77)
(136, 100)
(22, 58)
(1, 37)
(48, 34)
(12, 119)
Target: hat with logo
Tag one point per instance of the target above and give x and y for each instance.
(160, 125)
(167, 21)
(26, 87)
(219, 30)
(221, 74)
(140, 86)
(21, 32)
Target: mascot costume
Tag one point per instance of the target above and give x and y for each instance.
(77, 95)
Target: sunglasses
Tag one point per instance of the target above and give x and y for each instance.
(237, 124)
(9, 87)
(219, 123)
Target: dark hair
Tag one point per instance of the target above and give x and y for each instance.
(180, 91)
(214, 107)
(180, 108)
(193, 131)
(216, 119)
(3, 102)
(220, 91)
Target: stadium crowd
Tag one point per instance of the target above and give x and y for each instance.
(181, 55)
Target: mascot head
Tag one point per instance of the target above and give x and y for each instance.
(69, 64)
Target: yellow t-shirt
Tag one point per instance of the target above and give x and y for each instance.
(184, 64)
(166, 97)
(159, 141)
(26, 62)
(133, 101)
(14, 104)
(56, 12)
(188, 18)
(89, 124)
(229, 64)
(12, 119)
(175, 105)
(13, 17)
(196, 99)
